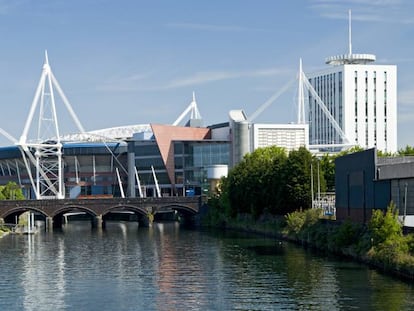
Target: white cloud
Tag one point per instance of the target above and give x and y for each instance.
(211, 27)
(123, 84)
(141, 82)
(213, 76)
(394, 11)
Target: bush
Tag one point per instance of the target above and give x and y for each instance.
(347, 233)
(295, 222)
(385, 226)
(298, 221)
(390, 248)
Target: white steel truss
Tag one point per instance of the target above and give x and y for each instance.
(301, 98)
(157, 187)
(192, 109)
(304, 84)
(121, 189)
(45, 151)
(138, 183)
(271, 100)
(323, 107)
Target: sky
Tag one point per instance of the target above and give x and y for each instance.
(130, 62)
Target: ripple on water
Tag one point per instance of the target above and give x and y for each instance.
(168, 268)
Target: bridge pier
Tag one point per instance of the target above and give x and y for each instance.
(146, 220)
(98, 222)
(143, 221)
(49, 224)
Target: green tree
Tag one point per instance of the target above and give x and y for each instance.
(407, 151)
(389, 245)
(269, 180)
(11, 191)
(382, 154)
(255, 185)
(385, 226)
(298, 179)
(327, 168)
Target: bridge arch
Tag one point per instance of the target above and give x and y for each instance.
(178, 207)
(22, 209)
(142, 210)
(73, 207)
(185, 213)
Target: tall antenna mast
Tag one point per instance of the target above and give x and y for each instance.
(350, 32)
(350, 58)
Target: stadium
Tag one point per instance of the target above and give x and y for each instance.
(128, 161)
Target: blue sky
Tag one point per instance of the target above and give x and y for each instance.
(130, 61)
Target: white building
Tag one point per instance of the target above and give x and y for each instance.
(288, 136)
(361, 97)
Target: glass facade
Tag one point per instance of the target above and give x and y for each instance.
(364, 105)
(329, 89)
(188, 170)
(192, 160)
(92, 169)
(89, 169)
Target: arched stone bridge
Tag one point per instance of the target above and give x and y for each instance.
(99, 207)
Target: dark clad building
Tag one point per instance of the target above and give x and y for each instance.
(365, 182)
(358, 190)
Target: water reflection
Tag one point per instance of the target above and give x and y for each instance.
(385, 295)
(42, 275)
(181, 277)
(167, 268)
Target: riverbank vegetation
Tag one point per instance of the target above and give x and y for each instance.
(3, 231)
(380, 243)
(271, 182)
(269, 192)
(10, 191)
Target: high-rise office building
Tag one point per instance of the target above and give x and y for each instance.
(361, 97)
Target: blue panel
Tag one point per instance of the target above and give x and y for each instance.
(96, 190)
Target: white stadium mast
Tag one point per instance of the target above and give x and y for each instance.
(45, 152)
(192, 109)
(305, 85)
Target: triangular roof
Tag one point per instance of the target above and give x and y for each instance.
(165, 134)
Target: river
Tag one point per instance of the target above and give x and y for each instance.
(166, 267)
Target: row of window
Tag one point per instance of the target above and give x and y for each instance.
(329, 88)
(366, 101)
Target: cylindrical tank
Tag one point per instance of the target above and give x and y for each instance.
(214, 173)
(240, 140)
(217, 171)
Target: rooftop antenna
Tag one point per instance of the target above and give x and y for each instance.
(350, 58)
(350, 32)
